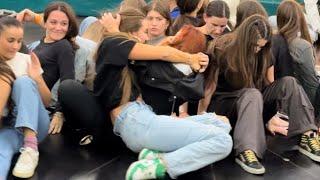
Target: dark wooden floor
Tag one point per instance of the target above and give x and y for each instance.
(61, 158)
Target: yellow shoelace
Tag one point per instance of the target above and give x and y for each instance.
(315, 144)
(250, 156)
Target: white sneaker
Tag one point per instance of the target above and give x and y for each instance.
(148, 154)
(26, 164)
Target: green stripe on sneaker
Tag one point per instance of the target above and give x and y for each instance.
(136, 167)
(160, 170)
(144, 154)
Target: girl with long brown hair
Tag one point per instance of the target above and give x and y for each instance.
(294, 52)
(251, 99)
(159, 21)
(169, 141)
(24, 94)
(56, 50)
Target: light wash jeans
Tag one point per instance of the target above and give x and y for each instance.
(188, 144)
(29, 112)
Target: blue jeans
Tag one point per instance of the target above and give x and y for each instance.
(29, 112)
(188, 144)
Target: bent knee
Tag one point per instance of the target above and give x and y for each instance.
(22, 82)
(67, 86)
(228, 144)
(252, 94)
(288, 81)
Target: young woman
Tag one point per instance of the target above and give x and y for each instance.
(293, 50)
(56, 50)
(216, 18)
(159, 20)
(23, 98)
(156, 78)
(139, 127)
(188, 15)
(247, 95)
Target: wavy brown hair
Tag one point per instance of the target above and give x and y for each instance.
(131, 21)
(73, 28)
(291, 21)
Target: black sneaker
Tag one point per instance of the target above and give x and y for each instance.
(250, 163)
(310, 146)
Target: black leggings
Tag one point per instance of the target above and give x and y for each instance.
(83, 111)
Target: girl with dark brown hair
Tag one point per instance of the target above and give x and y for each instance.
(23, 118)
(216, 17)
(56, 50)
(248, 96)
(188, 14)
(159, 20)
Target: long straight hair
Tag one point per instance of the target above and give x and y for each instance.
(131, 21)
(291, 21)
(243, 64)
(248, 8)
(163, 9)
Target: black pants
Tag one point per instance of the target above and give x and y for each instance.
(248, 108)
(83, 111)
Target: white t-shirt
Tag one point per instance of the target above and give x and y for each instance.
(19, 66)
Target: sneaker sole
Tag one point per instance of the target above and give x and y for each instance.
(310, 155)
(249, 169)
(22, 175)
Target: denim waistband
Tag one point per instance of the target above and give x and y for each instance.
(129, 108)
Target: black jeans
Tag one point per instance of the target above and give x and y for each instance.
(83, 111)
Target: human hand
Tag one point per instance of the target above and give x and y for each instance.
(25, 15)
(34, 67)
(110, 23)
(199, 62)
(56, 123)
(278, 125)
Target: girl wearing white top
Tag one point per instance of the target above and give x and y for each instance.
(24, 95)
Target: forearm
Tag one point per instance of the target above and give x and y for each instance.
(270, 74)
(44, 91)
(4, 95)
(205, 102)
(166, 53)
